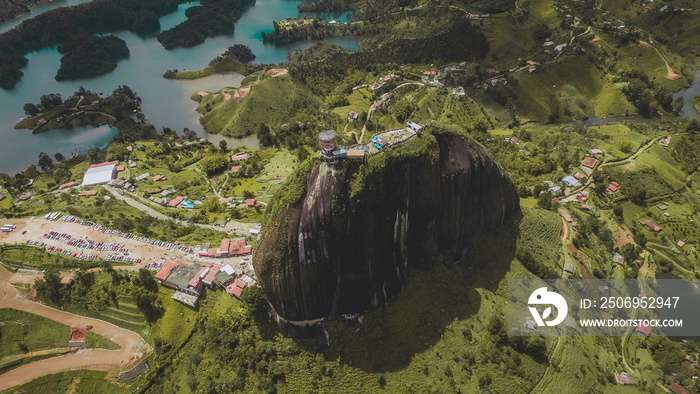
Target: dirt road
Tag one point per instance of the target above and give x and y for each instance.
(132, 346)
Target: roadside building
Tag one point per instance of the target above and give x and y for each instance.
(67, 185)
(589, 162)
(78, 337)
(100, 173)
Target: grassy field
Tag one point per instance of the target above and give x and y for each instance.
(580, 89)
(125, 315)
(24, 332)
(272, 102)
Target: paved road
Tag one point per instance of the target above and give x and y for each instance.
(132, 346)
(232, 225)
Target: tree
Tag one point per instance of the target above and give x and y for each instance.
(247, 194)
(213, 163)
(59, 157)
(96, 155)
(223, 146)
(31, 109)
(48, 289)
(545, 200)
(45, 161)
(49, 101)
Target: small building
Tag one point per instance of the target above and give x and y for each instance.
(623, 378)
(678, 389)
(681, 244)
(515, 140)
(235, 169)
(652, 226)
(589, 162)
(78, 337)
(571, 181)
(88, 193)
(67, 185)
(159, 178)
(176, 201)
(66, 281)
(530, 324)
(596, 151)
(119, 168)
(618, 259)
(353, 115)
(414, 126)
(250, 203)
(665, 140)
(239, 156)
(613, 188)
(568, 268)
(644, 328)
(356, 154)
(690, 358)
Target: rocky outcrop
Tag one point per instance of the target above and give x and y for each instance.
(338, 241)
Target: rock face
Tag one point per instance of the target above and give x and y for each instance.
(338, 241)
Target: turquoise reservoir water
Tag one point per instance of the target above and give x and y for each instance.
(166, 103)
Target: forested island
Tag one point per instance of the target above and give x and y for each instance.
(72, 28)
(212, 18)
(87, 107)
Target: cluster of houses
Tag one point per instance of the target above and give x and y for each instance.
(229, 248)
(189, 279)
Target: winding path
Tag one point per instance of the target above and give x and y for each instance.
(132, 346)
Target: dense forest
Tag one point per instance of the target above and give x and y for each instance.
(11, 9)
(88, 56)
(212, 18)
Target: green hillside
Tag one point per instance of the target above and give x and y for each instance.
(272, 102)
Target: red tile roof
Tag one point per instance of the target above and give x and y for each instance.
(589, 162)
(644, 328)
(108, 163)
(166, 269)
(176, 201)
(194, 282)
(678, 389)
(235, 290)
(250, 202)
(78, 333)
(240, 283)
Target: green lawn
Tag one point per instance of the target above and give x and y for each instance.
(20, 329)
